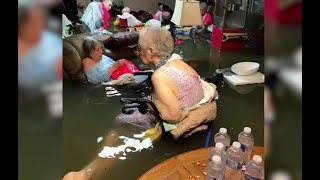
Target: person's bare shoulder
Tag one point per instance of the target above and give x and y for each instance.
(160, 79)
(183, 66)
(158, 76)
(86, 63)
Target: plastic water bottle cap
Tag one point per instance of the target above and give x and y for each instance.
(247, 130)
(236, 145)
(219, 145)
(223, 130)
(257, 159)
(216, 159)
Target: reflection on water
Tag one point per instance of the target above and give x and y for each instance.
(130, 145)
(88, 113)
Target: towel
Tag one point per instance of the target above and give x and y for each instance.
(194, 118)
(122, 80)
(236, 80)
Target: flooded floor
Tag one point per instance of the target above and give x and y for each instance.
(46, 151)
(39, 140)
(88, 114)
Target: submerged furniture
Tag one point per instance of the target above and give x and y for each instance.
(189, 165)
(116, 46)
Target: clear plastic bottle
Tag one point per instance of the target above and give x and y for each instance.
(254, 169)
(220, 151)
(223, 137)
(234, 161)
(246, 140)
(215, 169)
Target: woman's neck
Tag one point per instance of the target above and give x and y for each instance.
(23, 48)
(95, 60)
(160, 62)
(154, 64)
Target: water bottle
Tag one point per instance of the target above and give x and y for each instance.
(246, 140)
(215, 169)
(234, 161)
(220, 151)
(223, 137)
(254, 169)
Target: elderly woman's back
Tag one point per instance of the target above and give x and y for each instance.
(178, 88)
(179, 94)
(188, 85)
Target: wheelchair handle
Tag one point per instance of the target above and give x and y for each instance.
(148, 73)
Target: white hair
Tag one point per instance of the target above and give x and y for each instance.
(158, 38)
(126, 9)
(108, 1)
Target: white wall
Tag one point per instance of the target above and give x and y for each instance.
(147, 5)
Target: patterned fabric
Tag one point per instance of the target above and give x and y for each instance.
(190, 93)
(99, 72)
(195, 117)
(93, 16)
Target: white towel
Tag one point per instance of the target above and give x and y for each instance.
(122, 80)
(236, 80)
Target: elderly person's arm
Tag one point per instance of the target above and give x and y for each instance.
(116, 65)
(99, 167)
(165, 99)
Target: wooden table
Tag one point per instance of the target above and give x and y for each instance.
(189, 165)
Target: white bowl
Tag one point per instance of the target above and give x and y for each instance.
(245, 68)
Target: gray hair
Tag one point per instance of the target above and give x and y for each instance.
(203, 5)
(24, 9)
(107, 1)
(23, 15)
(158, 38)
(126, 9)
(89, 44)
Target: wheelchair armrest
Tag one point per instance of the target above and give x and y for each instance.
(148, 73)
(132, 100)
(142, 104)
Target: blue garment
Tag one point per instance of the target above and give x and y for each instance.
(38, 67)
(99, 72)
(93, 16)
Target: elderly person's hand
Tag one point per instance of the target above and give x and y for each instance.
(118, 63)
(121, 62)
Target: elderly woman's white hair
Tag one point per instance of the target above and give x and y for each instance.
(126, 9)
(158, 38)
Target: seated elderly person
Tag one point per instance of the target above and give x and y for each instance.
(96, 16)
(185, 102)
(37, 66)
(163, 14)
(206, 21)
(98, 67)
(182, 98)
(127, 19)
